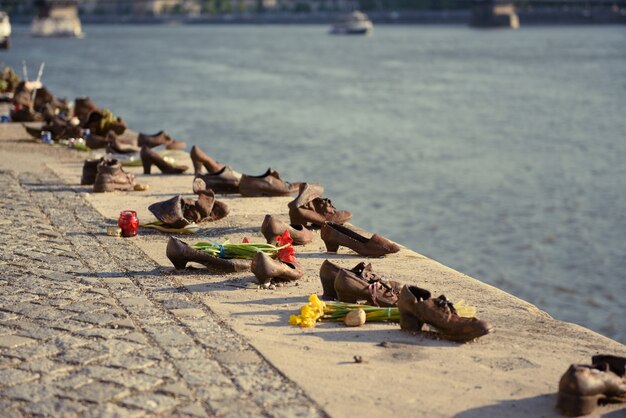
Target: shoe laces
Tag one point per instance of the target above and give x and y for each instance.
(323, 205)
(443, 302)
(372, 278)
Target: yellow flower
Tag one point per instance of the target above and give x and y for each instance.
(317, 303)
(308, 322)
(295, 320)
(309, 313)
(464, 310)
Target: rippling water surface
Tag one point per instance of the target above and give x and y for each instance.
(499, 153)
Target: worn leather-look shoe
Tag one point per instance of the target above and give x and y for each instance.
(224, 181)
(180, 254)
(83, 106)
(149, 157)
(335, 235)
(329, 271)
(310, 207)
(201, 159)
(90, 170)
(583, 386)
(272, 227)
(352, 286)
(170, 212)
(417, 307)
(219, 209)
(268, 184)
(159, 138)
(24, 114)
(116, 145)
(94, 141)
(111, 177)
(94, 124)
(179, 212)
(266, 269)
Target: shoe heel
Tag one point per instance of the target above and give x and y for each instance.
(146, 167)
(409, 322)
(197, 167)
(331, 247)
(178, 264)
(576, 405)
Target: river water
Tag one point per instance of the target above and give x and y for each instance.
(498, 153)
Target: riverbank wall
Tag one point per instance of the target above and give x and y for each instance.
(225, 341)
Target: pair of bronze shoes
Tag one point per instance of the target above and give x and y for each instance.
(335, 235)
(109, 176)
(218, 177)
(268, 270)
(178, 212)
(417, 307)
(358, 284)
(310, 207)
(226, 180)
(266, 185)
(582, 387)
(273, 227)
(180, 254)
(150, 157)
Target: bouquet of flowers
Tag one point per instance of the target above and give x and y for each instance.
(284, 251)
(317, 310)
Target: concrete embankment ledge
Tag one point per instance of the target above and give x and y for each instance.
(92, 325)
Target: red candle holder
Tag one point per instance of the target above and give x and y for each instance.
(128, 222)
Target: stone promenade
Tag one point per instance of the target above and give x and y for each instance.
(90, 326)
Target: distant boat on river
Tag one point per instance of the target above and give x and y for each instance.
(57, 21)
(355, 23)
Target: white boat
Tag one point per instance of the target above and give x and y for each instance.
(355, 23)
(57, 21)
(5, 31)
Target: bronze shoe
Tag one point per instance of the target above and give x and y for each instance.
(179, 212)
(310, 207)
(268, 184)
(351, 286)
(418, 308)
(272, 227)
(116, 145)
(329, 271)
(93, 123)
(205, 208)
(180, 254)
(24, 114)
(111, 177)
(90, 170)
(583, 386)
(160, 138)
(200, 159)
(266, 269)
(94, 141)
(335, 235)
(149, 157)
(83, 106)
(224, 181)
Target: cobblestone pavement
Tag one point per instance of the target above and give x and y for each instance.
(89, 326)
